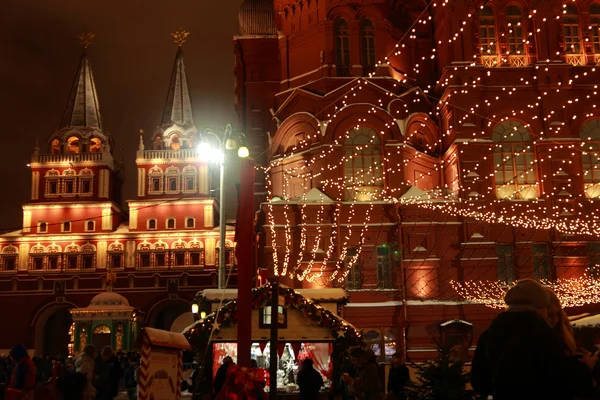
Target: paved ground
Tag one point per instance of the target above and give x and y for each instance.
(123, 396)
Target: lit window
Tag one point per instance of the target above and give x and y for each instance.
(487, 32)
(73, 144)
(55, 146)
(189, 222)
(514, 18)
(514, 165)
(95, 145)
(571, 29)
(363, 169)
(175, 143)
(265, 317)
(66, 226)
(152, 224)
(595, 26)
(376, 341)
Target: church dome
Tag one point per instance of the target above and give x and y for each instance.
(109, 299)
(257, 17)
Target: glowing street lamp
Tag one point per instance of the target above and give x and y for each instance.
(208, 153)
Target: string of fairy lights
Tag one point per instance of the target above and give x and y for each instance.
(434, 200)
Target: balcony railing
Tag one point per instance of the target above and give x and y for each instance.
(490, 61)
(575, 59)
(58, 158)
(182, 153)
(517, 60)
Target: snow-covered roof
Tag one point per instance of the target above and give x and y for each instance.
(591, 321)
(455, 321)
(318, 295)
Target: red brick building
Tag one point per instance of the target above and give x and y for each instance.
(366, 108)
(75, 235)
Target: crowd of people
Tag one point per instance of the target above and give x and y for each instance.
(90, 376)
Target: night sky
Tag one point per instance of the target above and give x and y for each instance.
(131, 57)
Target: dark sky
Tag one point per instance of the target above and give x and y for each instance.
(132, 57)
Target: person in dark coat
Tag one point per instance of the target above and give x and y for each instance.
(103, 369)
(24, 372)
(520, 357)
(398, 377)
(221, 376)
(309, 381)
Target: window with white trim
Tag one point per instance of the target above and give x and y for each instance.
(42, 227)
(151, 224)
(66, 226)
(170, 224)
(190, 222)
(90, 226)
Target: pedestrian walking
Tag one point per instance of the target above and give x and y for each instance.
(309, 381)
(398, 378)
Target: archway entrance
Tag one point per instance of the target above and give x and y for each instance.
(52, 331)
(182, 322)
(101, 337)
(164, 318)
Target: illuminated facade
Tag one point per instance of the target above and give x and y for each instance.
(410, 147)
(77, 242)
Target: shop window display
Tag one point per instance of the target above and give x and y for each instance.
(289, 355)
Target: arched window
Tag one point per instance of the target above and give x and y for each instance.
(155, 181)
(514, 17)
(95, 145)
(90, 226)
(514, 164)
(66, 226)
(190, 222)
(73, 145)
(571, 29)
(367, 46)
(55, 146)
(189, 179)
(42, 227)
(170, 223)
(342, 50)
(487, 36)
(151, 224)
(590, 158)
(175, 142)
(172, 179)
(595, 28)
(363, 170)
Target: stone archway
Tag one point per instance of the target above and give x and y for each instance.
(51, 330)
(165, 314)
(183, 321)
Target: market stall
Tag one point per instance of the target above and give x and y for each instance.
(307, 329)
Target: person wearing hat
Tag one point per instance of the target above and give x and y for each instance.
(520, 357)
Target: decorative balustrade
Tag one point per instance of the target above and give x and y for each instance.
(182, 153)
(575, 59)
(79, 157)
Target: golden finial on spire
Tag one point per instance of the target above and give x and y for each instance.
(86, 38)
(180, 36)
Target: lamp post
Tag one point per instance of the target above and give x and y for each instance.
(205, 150)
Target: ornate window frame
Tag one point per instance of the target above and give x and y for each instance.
(155, 174)
(172, 175)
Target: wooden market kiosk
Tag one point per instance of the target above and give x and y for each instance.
(311, 328)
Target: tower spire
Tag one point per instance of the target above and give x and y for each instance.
(178, 109)
(82, 109)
